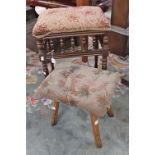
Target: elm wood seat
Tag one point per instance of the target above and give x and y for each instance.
(73, 22)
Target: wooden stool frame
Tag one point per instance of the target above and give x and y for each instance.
(46, 53)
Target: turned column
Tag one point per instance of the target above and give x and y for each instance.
(105, 47)
(95, 46)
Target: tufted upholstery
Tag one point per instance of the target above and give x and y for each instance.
(85, 87)
(71, 19)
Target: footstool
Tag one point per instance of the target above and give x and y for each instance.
(87, 88)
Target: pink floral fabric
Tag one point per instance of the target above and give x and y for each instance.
(70, 19)
(85, 87)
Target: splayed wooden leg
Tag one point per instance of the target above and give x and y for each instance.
(96, 132)
(54, 114)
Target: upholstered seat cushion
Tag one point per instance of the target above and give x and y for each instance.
(85, 87)
(71, 19)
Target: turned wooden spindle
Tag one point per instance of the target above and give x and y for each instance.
(96, 131)
(72, 44)
(62, 45)
(51, 43)
(84, 44)
(42, 56)
(84, 47)
(48, 47)
(95, 46)
(104, 63)
(105, 52)
(40, 46)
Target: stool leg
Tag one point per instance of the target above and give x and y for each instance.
(95, 46)
(51, 50)
(110, 112)
(42, 55)
(96, 132)
(54, 114)
(96, 61)
(45, 68)
(52, 66)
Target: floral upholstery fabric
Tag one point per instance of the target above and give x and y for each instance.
(71, 19)
(85, 87)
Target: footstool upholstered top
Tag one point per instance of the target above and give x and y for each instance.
(85, 87)
(71, 19)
